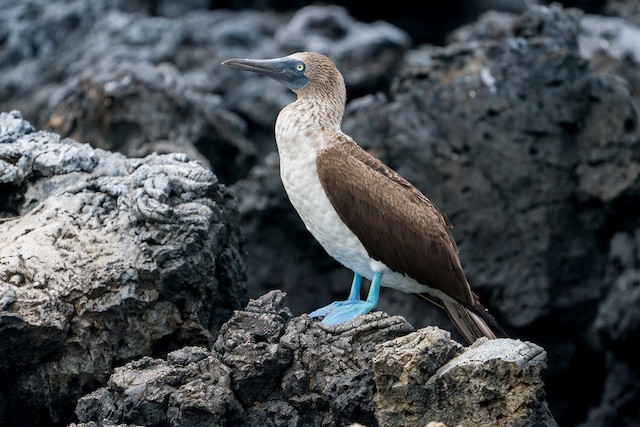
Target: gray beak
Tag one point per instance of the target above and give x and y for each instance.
(282, 70)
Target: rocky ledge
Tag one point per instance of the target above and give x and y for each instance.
(268, 368)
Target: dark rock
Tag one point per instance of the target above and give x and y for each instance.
(141, 108)
(424, 22)
(618, 405)
(492, 25)
(611, 46)
(331, 373)
(628, 9)
(296, 371)
(184, 390)
(135, 84)
(523, 129)
(107, 259)
(140, 84)
(540, 146)
(369, 54)
(249, 344)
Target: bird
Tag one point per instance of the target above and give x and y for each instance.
(363, 213)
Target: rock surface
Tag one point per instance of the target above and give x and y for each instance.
(529, 143)
(522, 127)
(497, 382)
(105, 260)
(271, 369)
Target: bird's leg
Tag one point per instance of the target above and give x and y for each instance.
(354, 293)
(354, 296)
(374, 290)
(341, 311)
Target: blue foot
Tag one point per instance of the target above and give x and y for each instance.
(341, 311)
(348, 310)
(336, 305)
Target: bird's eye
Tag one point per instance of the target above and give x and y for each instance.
(300, 66)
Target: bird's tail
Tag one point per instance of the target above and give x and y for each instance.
(472, 323)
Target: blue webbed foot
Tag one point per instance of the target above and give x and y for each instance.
(327, 309)
(341, 311)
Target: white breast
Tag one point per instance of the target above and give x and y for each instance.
(300, 180)
(298, 152)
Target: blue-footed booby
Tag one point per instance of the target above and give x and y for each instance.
(363, 213)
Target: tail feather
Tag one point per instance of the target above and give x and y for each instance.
(471, 323)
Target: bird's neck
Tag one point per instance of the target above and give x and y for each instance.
(304, 124)
(312, 113)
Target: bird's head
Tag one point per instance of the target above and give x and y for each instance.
(305, 73)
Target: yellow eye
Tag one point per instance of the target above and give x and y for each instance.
(300, 66)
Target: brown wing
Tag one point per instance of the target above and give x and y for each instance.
(395, 222)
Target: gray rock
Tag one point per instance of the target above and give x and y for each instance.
(492, 25)
(628, 9)
(191, 388)
(616, 325)
(534, 158)
(501, 380)
(612, 45)
(402, 368)
(138, 108)
(368, 54)
(140, 84)
(135, 84)
(296, 371)
(106, 259)
(249, 344)
(332, 373)
(618, 405)
(523, 128)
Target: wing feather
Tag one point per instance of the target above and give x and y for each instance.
(395, 222)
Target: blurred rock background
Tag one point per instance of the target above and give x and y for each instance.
(519, 119)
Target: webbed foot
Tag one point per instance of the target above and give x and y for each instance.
(341, 311)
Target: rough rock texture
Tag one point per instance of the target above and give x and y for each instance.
(628, 9)
(534, 156)
(139, 84)
(611, 46)
(103, 259)
(500, 382)
(269, 369)
(523, 128)
(525, 131)
(191, 388)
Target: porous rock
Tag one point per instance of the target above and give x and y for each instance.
(532, 153)
(501, 379)
(275, 369)
(104, 259)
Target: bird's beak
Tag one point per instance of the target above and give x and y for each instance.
(269, 67)
(282, 70)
